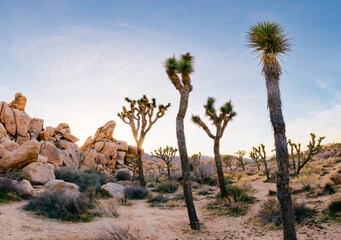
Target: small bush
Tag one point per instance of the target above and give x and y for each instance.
(203, 192)
(8, 191)
(167, 187)
(84, 179)
(18, 175)
(238, 193)
(224, 207)
(203, 173)
(336, 178)
(58, 205)
(269, 211)
(178, 197)
(135, 192)
(309, 181)
(328, 188)
(334, 208)
(150, 185)
(122, 175)
(158, 199)
(107, 208)
(272, 193)
(120, 233)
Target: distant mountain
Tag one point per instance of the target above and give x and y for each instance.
(176, 160)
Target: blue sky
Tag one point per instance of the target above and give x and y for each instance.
(77, 60)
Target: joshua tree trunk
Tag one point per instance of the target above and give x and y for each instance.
(266, 169)
(140, 165)
(219, 167)
(258, 166)
(282, 181)
(242, 163)
(180, 133)
(168, 172)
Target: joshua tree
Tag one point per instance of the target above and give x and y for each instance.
(227, 159)
(175, 69)
(139, 116)
(240, 154)
(194, 161)
(269, 42)
(167, 155)
(255, 157)
(313, 149)
(261, 152)
(292, 146)
(220, 121)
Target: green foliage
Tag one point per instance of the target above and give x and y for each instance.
(135, 192)
(268, 37)
(238, 194)
(58, 205)
(18, 175)
(84, 179)
(122, 175)
(167, 187)
(223, 207)
(269, 211)
(7, 191)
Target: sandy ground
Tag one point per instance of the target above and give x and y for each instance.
(154, 223)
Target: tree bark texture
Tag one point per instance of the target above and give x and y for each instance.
(282, 179)
(180, 133)
(219, 167)
(140, 166)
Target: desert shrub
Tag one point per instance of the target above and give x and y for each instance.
(122, 175)
(167, 187)
(309, 181)
(238, 193)
(84, 179)
(107, 208)
(8, 191)
(272, 193)
(328, 188)
(120, 233)
(204, 191)
(58, 205)
(223, 207)
(334, 208)
(269, 211)
(158, 199)
(336, 178)
(204, 173)
(18, 175)
(135, 192)
(151, 185)
(179, 197)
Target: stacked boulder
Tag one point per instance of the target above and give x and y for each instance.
(26, 145)
(104, 153)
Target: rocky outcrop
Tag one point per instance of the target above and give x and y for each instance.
(25, 188)
(19, 102)
(53, 182)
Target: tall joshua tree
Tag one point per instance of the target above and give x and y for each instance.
(269, 42)
(240, 154)
(220, 121)
(178, 71)
(140, 117)
(167, 155)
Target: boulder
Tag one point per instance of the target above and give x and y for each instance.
(23, 122)
(54, 182)
(52, 153)
(121, 155)
(122, 146)
(8, 119)
(50, 131)
(105, 132)
(36, 127)
(40, 173)
(109, 150)
(114, 190)
(3, 151)
(132, 150)
(24, 155)
(42, 159)
(63, 128)
(89, 159)
(19, 102)
(25, 188)
(65, 188)
(3, 130)
(8, 144)
(71, 137)
(20, 140)
(72, 158)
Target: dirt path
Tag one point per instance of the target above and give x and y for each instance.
(153, 223)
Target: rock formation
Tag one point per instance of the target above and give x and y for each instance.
(26, 144)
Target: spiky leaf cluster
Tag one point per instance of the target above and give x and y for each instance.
(269, 41)
(220, 120)
(180, 67)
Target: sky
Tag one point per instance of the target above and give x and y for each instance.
(76, 61)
